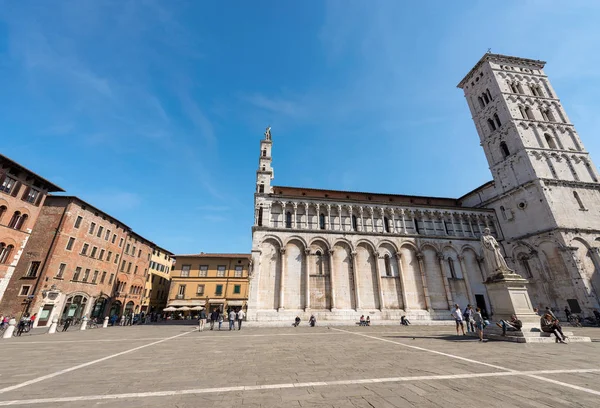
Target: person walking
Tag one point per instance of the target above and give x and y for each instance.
(220, 319)
(32, 320)
(67, 324)
(567, 313)
(24, 321)
(468, 317)
(240, 317)
(214, 316)
(202, 320)
(478, 319)
(232, 315)
(458, 318)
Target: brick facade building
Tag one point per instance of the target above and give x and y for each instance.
(78, 262)
(22, 195)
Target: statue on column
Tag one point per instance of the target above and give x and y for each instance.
(494, 261)
(268, 133)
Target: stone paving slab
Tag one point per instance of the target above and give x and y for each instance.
(289, 356)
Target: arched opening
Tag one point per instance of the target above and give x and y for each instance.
(388, 265)
(322, 221)
(451, 268)
(319, 263)
(14, 220)
(264, 153)
(416, 223)
(513, 87)
(354, 223)
(386, 224)
(579, 202)
(481, 104)
(524, 261)
(115, 309)
(128, 308)
(260, 217)
(497, 120)
(486, 99)
(491, 125)
(504, 149)
(74, 307)
(2, 211)
(550, 141)
(288, 219)
(99, 307)
(489, 94)
(5, 252)
(21, 222)
(261, 188)
(529, 113)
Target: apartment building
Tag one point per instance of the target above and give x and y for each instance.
(212, 281)
(22, 195)
(158, 280)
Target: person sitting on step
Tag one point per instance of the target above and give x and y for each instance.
(513, 324)
(549, 324)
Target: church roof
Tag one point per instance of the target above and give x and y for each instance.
(203, 255)
(340, 195)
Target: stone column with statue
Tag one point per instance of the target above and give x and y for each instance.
(506, 289)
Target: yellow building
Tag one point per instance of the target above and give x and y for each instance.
(158, 281)
(209, 280)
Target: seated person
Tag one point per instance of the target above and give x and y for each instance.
(404, 321)
(296, 321)
(368, 321)
(549, 324)
(361, 322)
(513, 324)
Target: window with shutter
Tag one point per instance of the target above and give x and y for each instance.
(16, 189)
(25, 193)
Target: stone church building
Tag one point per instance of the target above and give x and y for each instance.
(341, 254)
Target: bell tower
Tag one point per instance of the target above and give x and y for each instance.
(265, 174)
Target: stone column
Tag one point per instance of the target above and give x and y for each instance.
(424, 280)
(376, 256)
(105, 323)
(351, 219)
(403, 222)
(340, 217)
(461, 260)
(306, 215)
(307, 280)
(318, 210)
(295, 224)
(355, 275)
(362, 222)
(440, 256)
(329, 217)
(394, 230)
(382, 216)
(398, 256)
(281, 285)
(443, 221)
(462, 222)
(331, 280)
(470, 218)
(373, 226)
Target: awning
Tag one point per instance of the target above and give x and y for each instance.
(216, 301)
(235, 303)
(189, 303)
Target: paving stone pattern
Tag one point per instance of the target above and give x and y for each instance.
(335, 360)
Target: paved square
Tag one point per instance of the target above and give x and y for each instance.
(379, 366)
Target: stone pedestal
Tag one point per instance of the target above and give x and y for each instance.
(508, 295)
(83, 323)
(53, 325)
(8, 333)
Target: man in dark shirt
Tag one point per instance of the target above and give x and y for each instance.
(214, 316)
(513, 324)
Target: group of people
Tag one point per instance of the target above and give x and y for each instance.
(25, 323)
(216, 316)
(364, 322)
(312, 321)
(473, 318)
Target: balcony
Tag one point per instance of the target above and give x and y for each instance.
(179, 297)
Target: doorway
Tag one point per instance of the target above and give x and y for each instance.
(480, 301)
(45, 315)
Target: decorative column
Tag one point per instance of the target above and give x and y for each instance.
(339, 207)
(307, 280)
(424, 280)
(394, 230)
(331, 280)
(318, 209)
(267, 215)
(376, 256)
(351, 219)
(403, 222)
(281, 286)
(461, 260)
(295, 215)
(462, 222)
(362, 222)
(470, 218)
(373, 227)
(442, 218)
(355, 275)
(306, 215)
(440, 256)
(398, 256)
(382, 215)
(329, 217)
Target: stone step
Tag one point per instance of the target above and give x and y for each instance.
(537, 339)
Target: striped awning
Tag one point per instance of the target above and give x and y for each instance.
(188, 303)
(235, 303)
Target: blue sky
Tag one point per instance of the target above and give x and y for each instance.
(153, 110)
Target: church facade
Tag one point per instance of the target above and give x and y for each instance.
(339, 254)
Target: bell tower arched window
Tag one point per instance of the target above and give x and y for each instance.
(320, 265)
(491, 125)
(451, 268)
(322, 221)
(504, 149)
(386, 224)
(260, 217)
(524, 261)
(5, 252)
(497, 120)
(261, 188)
(481, 104)
(354, 223)
(550, 141)
(288, 219)
(503, 212)
(264, 153)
